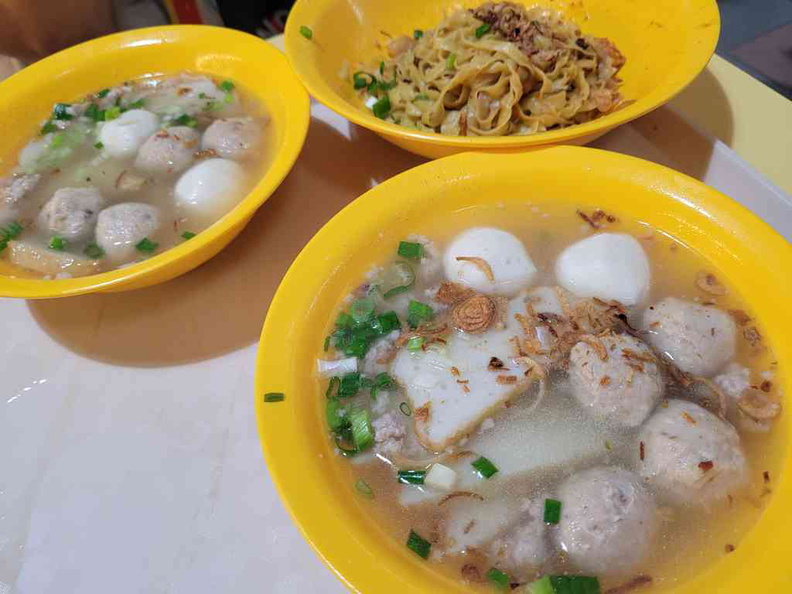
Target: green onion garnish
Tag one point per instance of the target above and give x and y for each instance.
(409, 250)
(185, 120)
(382, 381)
(226, 86)
(382, 107)
(343, 447)
(57, 140)
(362, 432)
(350, 385)
(327, 340)
(451, 61)
(382, 68)
(306, 32)
(483, 30)
(11, 231)
(344, 320)
(418, 312)
(540, 586)
(99, 145)
(552, 511)
(103, 93)
(332, 387)
(485, 468)
(415, 343)
(96, 114)
(565, 584)
(60, 112)
(389, 321)
(145, 245)
(359, 80)
(419, 545)
(364, 489)
(500, 579)
(335, 420)
(386, 85)
(48, 127)
(417, 34)
(137, 104)
(421, 97)
(187, 235)
(111, 113)
(405, 409)
(411, 477)
(274, 397)
(362, 310)
(57, 243)
(397, 278)
(93, 251)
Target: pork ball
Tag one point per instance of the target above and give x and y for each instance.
(608, 520)
(168, 151)
(699, 339)
(122, 226)
(690, 455)
(123, 136)
(232, 138)
(71, 213)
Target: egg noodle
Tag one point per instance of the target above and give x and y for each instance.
(495, 70)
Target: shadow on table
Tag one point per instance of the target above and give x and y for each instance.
(220, 306)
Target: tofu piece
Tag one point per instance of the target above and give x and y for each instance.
(472, 523)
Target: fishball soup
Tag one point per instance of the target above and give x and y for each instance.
(552, 400)
(128, 172)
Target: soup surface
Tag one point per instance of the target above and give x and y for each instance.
(495, 70)
(554, 399)
(128, 172)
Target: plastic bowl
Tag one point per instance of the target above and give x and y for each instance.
(320, 495)
(27, 98)
(667, 43)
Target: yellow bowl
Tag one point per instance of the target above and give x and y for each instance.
(27, 98)
(666, 42)
(293, 432)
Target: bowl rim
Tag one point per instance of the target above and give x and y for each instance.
(295, 128)
(279, 426)
(693, 64)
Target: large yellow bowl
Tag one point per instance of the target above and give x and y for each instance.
(293, 432)
(666, 42)
(27, 98)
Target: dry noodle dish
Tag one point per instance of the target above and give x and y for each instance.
(573, 405)
(128, 172)
(495, 70)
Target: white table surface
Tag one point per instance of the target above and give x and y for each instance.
(130, 457)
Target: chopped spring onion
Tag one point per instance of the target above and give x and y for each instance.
(103, 93)
(187, 235)
(306, 32)
(146, 246)
(540, 586)
(484, 467)
(415, 343)
(344, 320)
(565, 584)
(137, 104)
(335, 414)
(9, 232)
(274, 397)
(411, 477)
(382, 107)
(410, 250)
(185, 120)
(48, 128)
(359, 80)
(418, 312)
(500, 579)
(96, 114)
(332, 387)
(57, 243)
(389, 321)
(364, 489)
(61, 112)
(93, 251)
(337, 367)
(99, 145)
(405, 409)
(362, 310)
(362, 432)
(350, 385)
(552, 511)
(483, 30)
(417, 34)
(226, 86)
(382, 381)
(397, 278)
(418, 545)
(57, 140)
(111, 113)
(382, 68)
(343, 448)
(385, 85)
(451, 61)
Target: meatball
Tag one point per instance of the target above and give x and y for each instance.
(623, 388)
(168, 151)
(608, 520)
(71, 213)
(523, 547)
(699, 339)
(232, 138)
(690, 455)
(123, 136)
(210, 189)
(121, 227)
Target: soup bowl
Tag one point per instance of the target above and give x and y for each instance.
(320, 494)
(666, 43)
(27, 98)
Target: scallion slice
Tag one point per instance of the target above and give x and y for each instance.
(411, 477)
(57, 243)
(185, 120)
(364, 489)
(96, 114)
(11, 231)
(306, 32)
(382, 381)
(187, 235)
(500, 579)
(451, 61)
(344, 320)
(362, 310)
(146, 246)
(483, 30)
(350, 385)
(415, 343)
(405, 409)
(274, 397)
(335, 414)
(410, 250)
(112, 113)
(344, 448)
(61, 112)
(396, 279)
(48, 128)
(93, 251)
(326, 345)
(226, 86)
(418, 312)
(362, 432)
(382, 68)
(137, 104)
(484, 467)
(332, 387)
(360, 80)
(574, 584)
(389, 321)
(541, 586)
(382, 107)
(103, 93)
(419, 545)
(417, 34)
(99, 145)
(552, 511)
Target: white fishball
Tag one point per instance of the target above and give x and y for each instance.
(511, 266)
(122, 226)
(123, 136)
(210, 189)
(607, 266)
